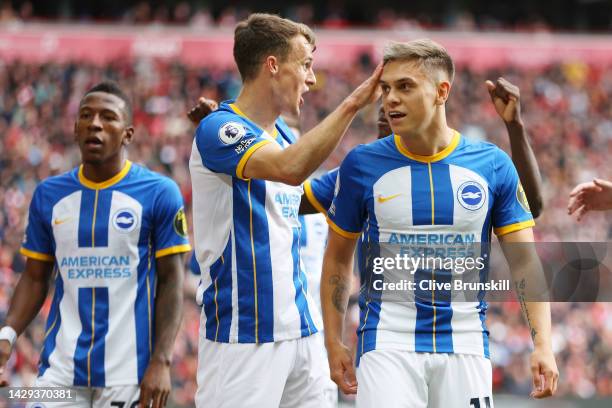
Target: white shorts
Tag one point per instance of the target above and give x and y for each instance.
(405, 379)
(122, 396)
(287, 374)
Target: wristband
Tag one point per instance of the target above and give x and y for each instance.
(9, 334)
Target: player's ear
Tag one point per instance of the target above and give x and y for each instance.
(128, 133)
(272, 64)
(443, 90)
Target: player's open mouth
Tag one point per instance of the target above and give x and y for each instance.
(301, 101)
(93, 142)
(394, 116)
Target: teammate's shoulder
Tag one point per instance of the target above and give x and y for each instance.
(354, 155)
(469, 144)
(143, 174)
(60, 183)
(52, 189)
(482, 148)
(142, 171)
(223, 122)
(383, 144)
(368, 153)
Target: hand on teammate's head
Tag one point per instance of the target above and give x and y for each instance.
(203, 108)
(369, 90)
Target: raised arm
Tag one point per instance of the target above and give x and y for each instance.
(506, 98)
(295, 163)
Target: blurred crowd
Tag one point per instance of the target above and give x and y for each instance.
(566, 107)
(338, 14)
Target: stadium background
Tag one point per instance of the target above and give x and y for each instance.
(167, 54)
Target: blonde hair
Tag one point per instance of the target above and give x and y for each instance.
(261, 35)
(431, 55)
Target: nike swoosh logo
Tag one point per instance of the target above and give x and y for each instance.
(382, 199)
(59, 221)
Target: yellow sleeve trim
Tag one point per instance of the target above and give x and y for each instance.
(311, 197)
(36, 255)
(177, 249)
(513, 227)
(340, 231)
(247, 155)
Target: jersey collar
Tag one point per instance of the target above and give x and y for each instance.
(106, 183)
(428, 159)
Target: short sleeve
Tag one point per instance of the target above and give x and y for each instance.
(225, 143)
(510, 207)
(346, 213)
(171, 233)
(320, 191)
(38, 241)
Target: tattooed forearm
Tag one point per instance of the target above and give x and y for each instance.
(520, 294)
(339, 293)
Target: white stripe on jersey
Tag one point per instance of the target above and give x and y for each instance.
(397, 319)
(120, 355)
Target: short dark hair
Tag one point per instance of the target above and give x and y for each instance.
(113, 88)
(261, 35)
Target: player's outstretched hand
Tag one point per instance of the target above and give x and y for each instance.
(5, 354)
(545, 373)
(155, 385)
(594, 195)
(506, 99)
(203, 108)
(341, 368)
(368, 92)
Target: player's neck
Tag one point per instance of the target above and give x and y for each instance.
(255, 102)
(99, 173)
(429, 141)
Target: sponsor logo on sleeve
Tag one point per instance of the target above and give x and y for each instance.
(180, 223)
(231, 133)
(471, 195)
(244, 145)
(522, 197)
